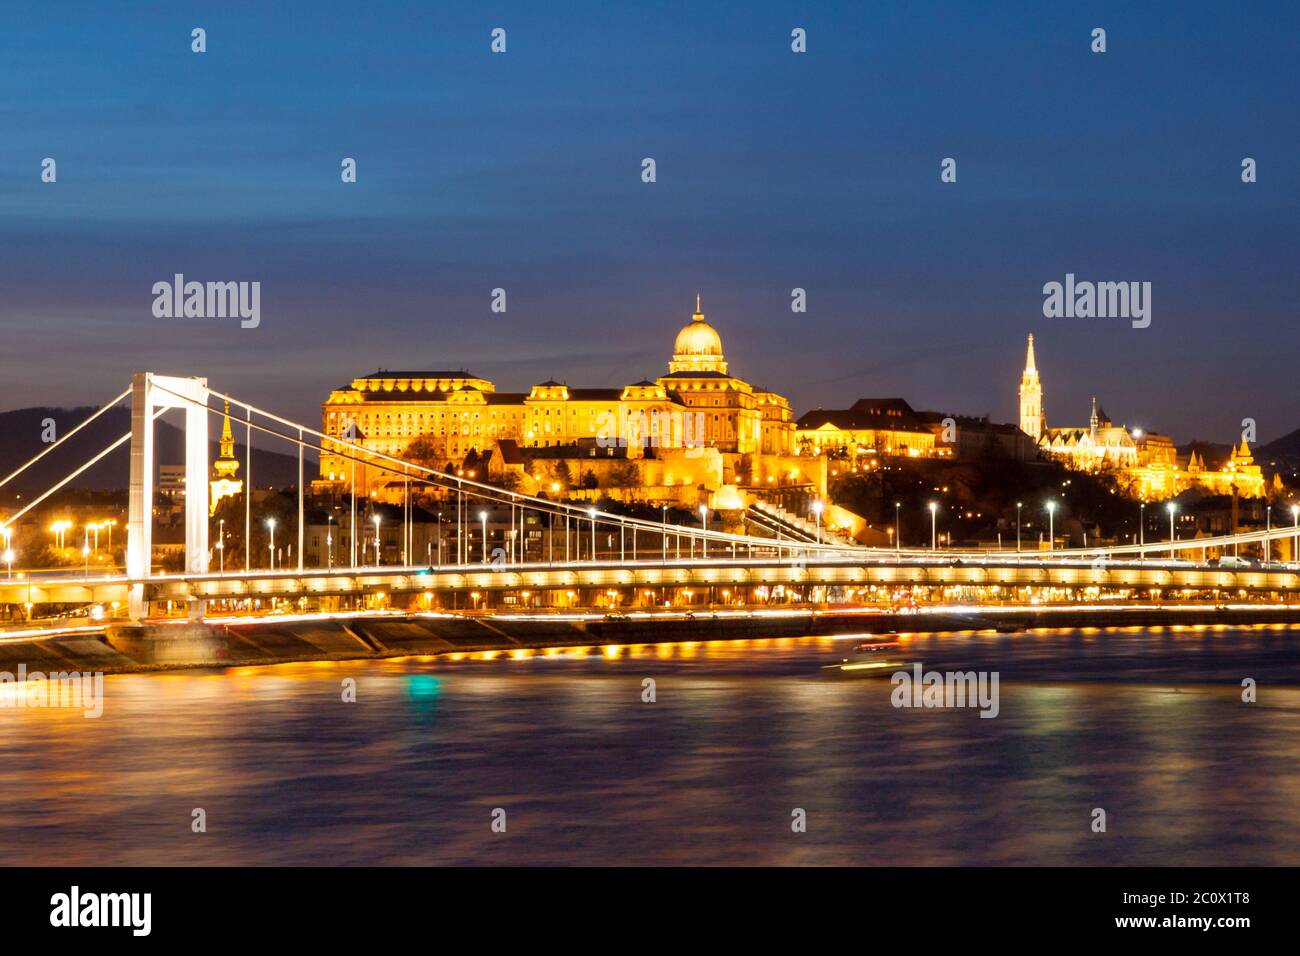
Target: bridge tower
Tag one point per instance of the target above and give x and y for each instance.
(149, 394)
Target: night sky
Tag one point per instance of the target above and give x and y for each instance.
(775, 170)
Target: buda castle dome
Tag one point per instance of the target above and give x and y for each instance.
(698, 347)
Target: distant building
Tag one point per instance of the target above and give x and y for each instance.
(967, 437)
(224, 483)
(881, 426)
(1146, 464)
(171, 481)
(1238, 474)
(1102, 444)
(890, 426)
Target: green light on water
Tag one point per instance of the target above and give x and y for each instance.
(423, 686)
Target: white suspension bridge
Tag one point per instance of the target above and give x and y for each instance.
(656, 559)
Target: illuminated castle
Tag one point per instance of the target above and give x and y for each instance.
(698, 424)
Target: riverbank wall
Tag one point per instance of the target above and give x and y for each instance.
(167, 645)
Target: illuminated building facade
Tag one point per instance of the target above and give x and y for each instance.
(871, 426)
(697, 407)
(1102, 444)
(1146, 465)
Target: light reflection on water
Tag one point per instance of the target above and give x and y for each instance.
(1148, 725)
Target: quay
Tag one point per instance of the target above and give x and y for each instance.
(124, 648)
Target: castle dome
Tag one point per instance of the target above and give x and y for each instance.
(698, 347)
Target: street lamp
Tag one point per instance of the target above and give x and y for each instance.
(704, 527)
(59, 527)
(379, 559)
(1019, 505)
(1051, 524)
(817, 510)
(221, 543)
(898, 528)
(1142, 530)
(1295, 538)
(1172, 509)
(482, 516)
(663, 535)
(270, 523)
(329, 542)
(1268, 526)
(592, 513)
(934, 539)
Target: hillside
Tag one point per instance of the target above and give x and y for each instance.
(1285, 451)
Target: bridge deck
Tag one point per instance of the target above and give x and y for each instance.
(846, 571)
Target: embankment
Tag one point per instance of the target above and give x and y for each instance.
(123, 648)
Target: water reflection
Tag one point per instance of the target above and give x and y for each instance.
(1146, 724)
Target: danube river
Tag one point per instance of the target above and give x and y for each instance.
(1148, 725)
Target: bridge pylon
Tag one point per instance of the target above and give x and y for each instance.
(150, 393)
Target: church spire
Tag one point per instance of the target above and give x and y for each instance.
(224, 483)
(1032, 420)
(227, 439)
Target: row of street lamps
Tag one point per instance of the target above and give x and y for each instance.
(59, 528)
(1050, 507)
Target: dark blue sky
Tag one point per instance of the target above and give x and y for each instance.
(775, 170)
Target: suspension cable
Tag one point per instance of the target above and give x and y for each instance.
(53, 488)
(67, 435)
(486, 491)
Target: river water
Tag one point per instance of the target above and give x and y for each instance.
(1148, 725)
